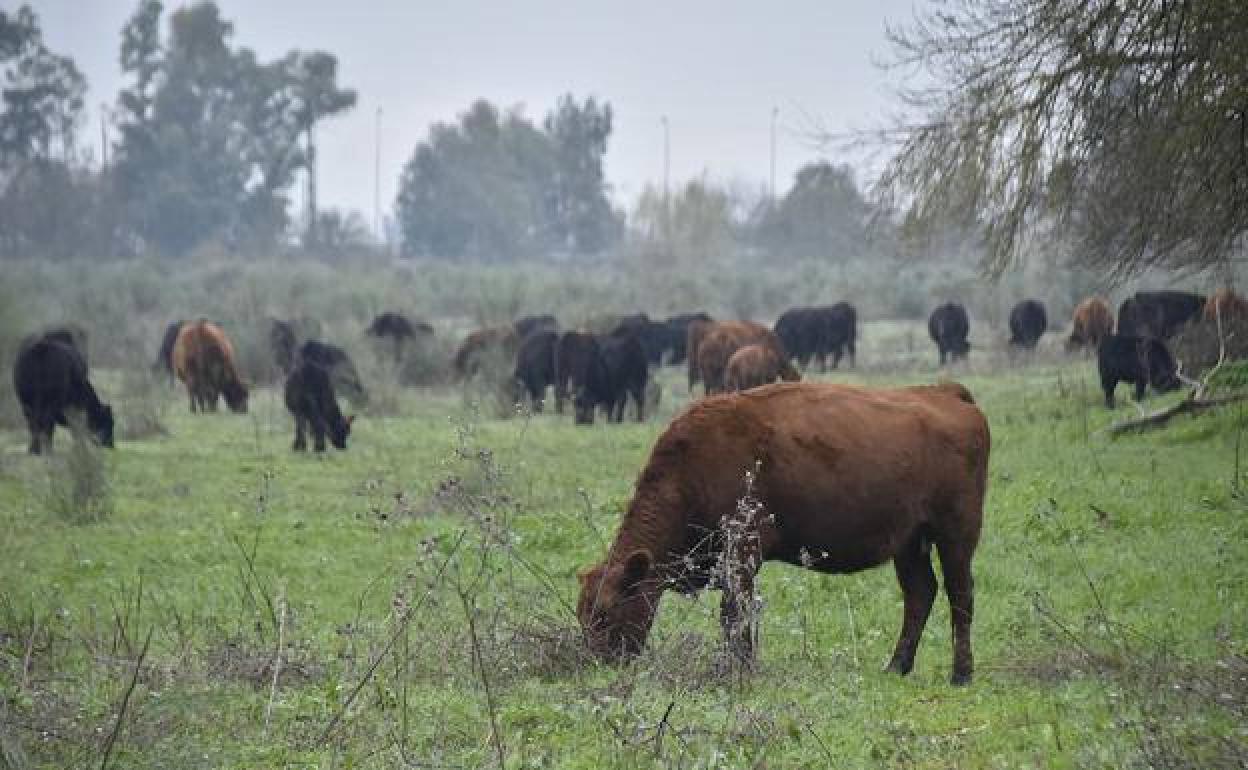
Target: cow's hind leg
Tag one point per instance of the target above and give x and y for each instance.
(301, 436)
(918, 587)
(955, 564)
(318, 434)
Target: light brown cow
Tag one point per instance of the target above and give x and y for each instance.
(1090, 324)
(833, 478)
(755, 365)
(724, 338)
(829, 477)
(1227, 305)
(203, 359)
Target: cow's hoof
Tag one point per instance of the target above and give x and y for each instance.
(960, 679)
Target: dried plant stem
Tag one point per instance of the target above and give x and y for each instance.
(277, 659)
(125, 702)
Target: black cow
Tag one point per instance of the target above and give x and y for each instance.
(50, 378)
(398, 329)
(535, 366)
(284, 343)
(796, 329)
(1140, 361)
(572, 355)
(676, 330)
(1157, 313)
(816, 332)
(164, 357)
(652, 335)
(529, 324)
(1028, 322)
(337, 363)
(310, 399)
(948, 327)
(840, 334)
(616, 369)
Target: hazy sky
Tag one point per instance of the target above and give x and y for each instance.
(715, 68)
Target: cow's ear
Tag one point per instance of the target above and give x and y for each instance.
(350, 419)
(636, 568)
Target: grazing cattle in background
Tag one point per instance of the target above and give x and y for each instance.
(816, 332)
(722, 340)
(50, 379)
(948, 327)
(755, 365)
(535, 366)
(1227, 305)
(1141, 361)
(1091, 323)
(616, 369)
(398, 329)
(477, 347)
(676, 330)
(164, 356)
(651, 334)
(572, 355)
(1157, 313)
(1028, 322)
(832, 482)
(335, 361)
(529, 324)
(203, 359)
(311, 401)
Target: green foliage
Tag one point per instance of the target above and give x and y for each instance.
(42, 94)
(823, 213)
(496, 187)
(210, 134)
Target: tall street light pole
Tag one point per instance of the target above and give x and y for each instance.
(377, 180)
(775, 112)
(667, 170)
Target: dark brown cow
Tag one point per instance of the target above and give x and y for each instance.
(697, 330)
(203, 359)
(833, 478)
(311, 401)
(479, 344)
(755, 365)
(1227, 305)
(1091, 323)
(722, 340)
(573, 353)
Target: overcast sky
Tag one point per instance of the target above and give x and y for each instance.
(715, 68)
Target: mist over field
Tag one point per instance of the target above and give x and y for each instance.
(349, 351)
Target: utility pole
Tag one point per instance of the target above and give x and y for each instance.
(103, 136)
(667, 170)
(377, 181)
(311, 237)
(775, 112)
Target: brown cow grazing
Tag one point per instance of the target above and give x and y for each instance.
(477, 346)
(1092, 322)
(833, 478)
(1227, 305)
(722, 340)
(203, 359)
(755, 365)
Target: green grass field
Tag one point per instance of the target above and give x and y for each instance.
(414, 597)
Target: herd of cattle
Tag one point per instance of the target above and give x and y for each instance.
(828, 467)
(595, 371)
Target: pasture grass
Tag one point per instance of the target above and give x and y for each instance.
(409, 602)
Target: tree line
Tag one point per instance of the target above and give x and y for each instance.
(1115, 130)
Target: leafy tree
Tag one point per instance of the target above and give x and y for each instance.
(42, 93)
(582, 217)
(823, 214)
(211, 135)
(695, 225)
(494, 186)
(45, 204)
(1123, 125)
